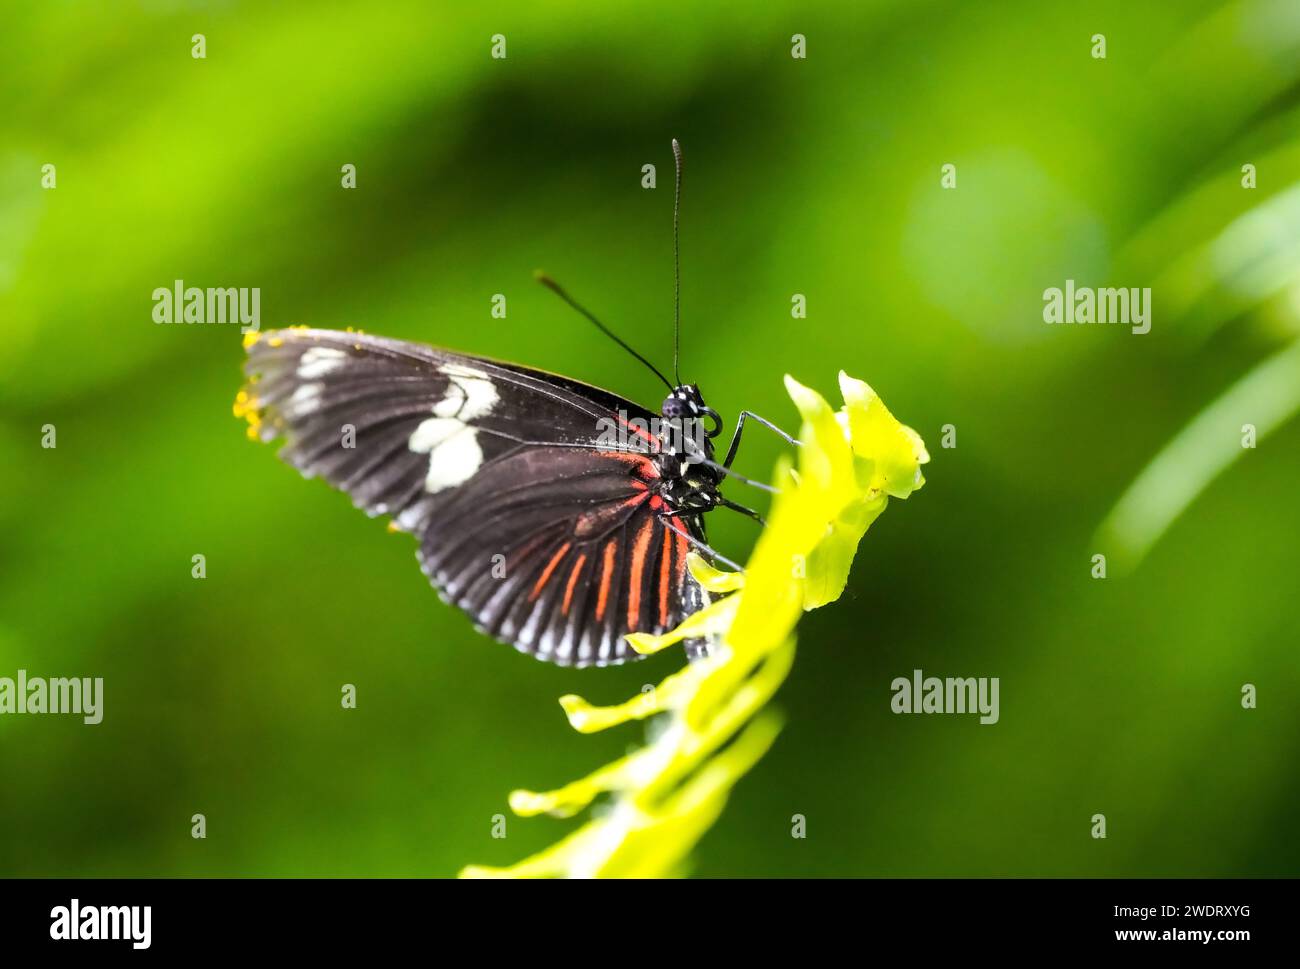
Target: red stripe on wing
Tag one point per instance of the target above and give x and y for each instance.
(573, 580)
(562, 551)
(643, 464)
(606, 577)
(640, 432)
(665, 576)
(640, 548)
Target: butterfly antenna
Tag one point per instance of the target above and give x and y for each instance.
(555, 287)
(677, 262)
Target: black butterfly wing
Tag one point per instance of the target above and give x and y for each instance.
(547, 534)
(366, 413)
(561, 552)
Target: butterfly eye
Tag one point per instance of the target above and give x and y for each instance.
(675, 407)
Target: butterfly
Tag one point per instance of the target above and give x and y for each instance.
(557, 515)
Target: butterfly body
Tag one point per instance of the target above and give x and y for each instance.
(544, 507)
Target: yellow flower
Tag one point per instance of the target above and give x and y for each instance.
(712, 724)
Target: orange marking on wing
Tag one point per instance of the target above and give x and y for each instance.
(640, 432)
(665, 573)
(606, 575)
(573, 580)
(642, 463)
(683, 547)
(546, 572)
(640, 546)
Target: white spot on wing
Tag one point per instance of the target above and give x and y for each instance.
(433, 432)
(454, 461)
(306, 399)
(470, 393)
(453, 449)
(318, 361)
(449, 406)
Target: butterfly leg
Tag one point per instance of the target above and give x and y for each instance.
(749, 512)
(721, 503)
(702, 546)
(740, 426)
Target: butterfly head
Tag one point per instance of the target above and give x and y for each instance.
(686, 403)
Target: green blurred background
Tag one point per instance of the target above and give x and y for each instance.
(818, 176)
